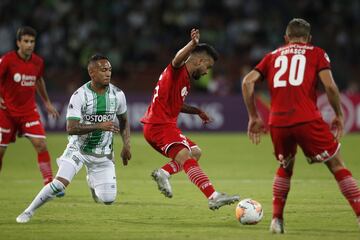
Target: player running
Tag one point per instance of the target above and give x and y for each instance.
(90, 124)
(160, 130)
(292, 74)
(21, 74)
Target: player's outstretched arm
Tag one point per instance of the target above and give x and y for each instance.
(333, 95)
(74, 127)
(184, 53)
(125, 135)
(194, 110)
(41, 89)
(255, 125)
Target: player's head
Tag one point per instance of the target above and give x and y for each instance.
(25, 40)
(99, 69)
(202, 58)
(298, 30)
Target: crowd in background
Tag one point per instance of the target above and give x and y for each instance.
(140, 37)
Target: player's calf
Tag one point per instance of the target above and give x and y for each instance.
(46, 194)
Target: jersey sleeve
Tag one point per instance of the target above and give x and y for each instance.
(42, 67)
(74, 107)
(3, 66)
(323, 60)
(263, 66)
(122, 108)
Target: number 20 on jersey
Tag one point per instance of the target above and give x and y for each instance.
(296, 71)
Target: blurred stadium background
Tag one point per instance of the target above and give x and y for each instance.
(141, 37)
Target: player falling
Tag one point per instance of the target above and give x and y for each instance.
(160, 130)
(292, 74)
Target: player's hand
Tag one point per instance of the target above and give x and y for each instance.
(205, 117)
(108, 126)
(51, 110)
(195, 36)
(337, 125)
(256, 127)
(125, 154)
(2, 103)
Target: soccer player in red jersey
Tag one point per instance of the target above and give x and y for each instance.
(160, 130)
(292, 72)
(21, 74)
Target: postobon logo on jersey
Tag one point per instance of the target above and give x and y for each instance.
(99, 117)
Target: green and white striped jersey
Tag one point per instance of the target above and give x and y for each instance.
(89, 107)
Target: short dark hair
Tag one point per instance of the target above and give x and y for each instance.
(96, 57)
(25, 30)
(298, 27)
(208, 49)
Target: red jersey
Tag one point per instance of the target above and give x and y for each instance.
(292, 74)
(169, 96)
(17, 82)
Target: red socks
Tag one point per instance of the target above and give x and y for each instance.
(198, 177)
(346, 182)
(349, 189)
(281, 187)
(44, 163)
(172, 167)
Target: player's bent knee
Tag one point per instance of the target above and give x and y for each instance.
(335, 164)
(106, 198)
(106, 193)
(196, 153)
(40, 146)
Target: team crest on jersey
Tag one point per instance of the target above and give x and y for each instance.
(112, 103)
(17, 77)
(326, 57)
(184, 92)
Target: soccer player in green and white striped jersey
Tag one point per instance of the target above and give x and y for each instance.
(91, 116)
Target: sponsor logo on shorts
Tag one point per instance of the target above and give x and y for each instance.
(76, 159)
(319, 157)
(30, 124)
(98, 117)
(5, 130)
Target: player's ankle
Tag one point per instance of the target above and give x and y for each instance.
(213, 195)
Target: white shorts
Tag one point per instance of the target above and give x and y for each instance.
(100, 170)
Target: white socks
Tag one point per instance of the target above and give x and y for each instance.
(47, 193)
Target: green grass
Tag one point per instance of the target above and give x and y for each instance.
(315, 209)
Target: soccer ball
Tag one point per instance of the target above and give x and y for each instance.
(249, 211)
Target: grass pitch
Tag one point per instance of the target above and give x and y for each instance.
(315, 208)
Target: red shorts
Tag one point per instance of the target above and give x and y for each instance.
(163, 136)
(29, 125)
(314, 138)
